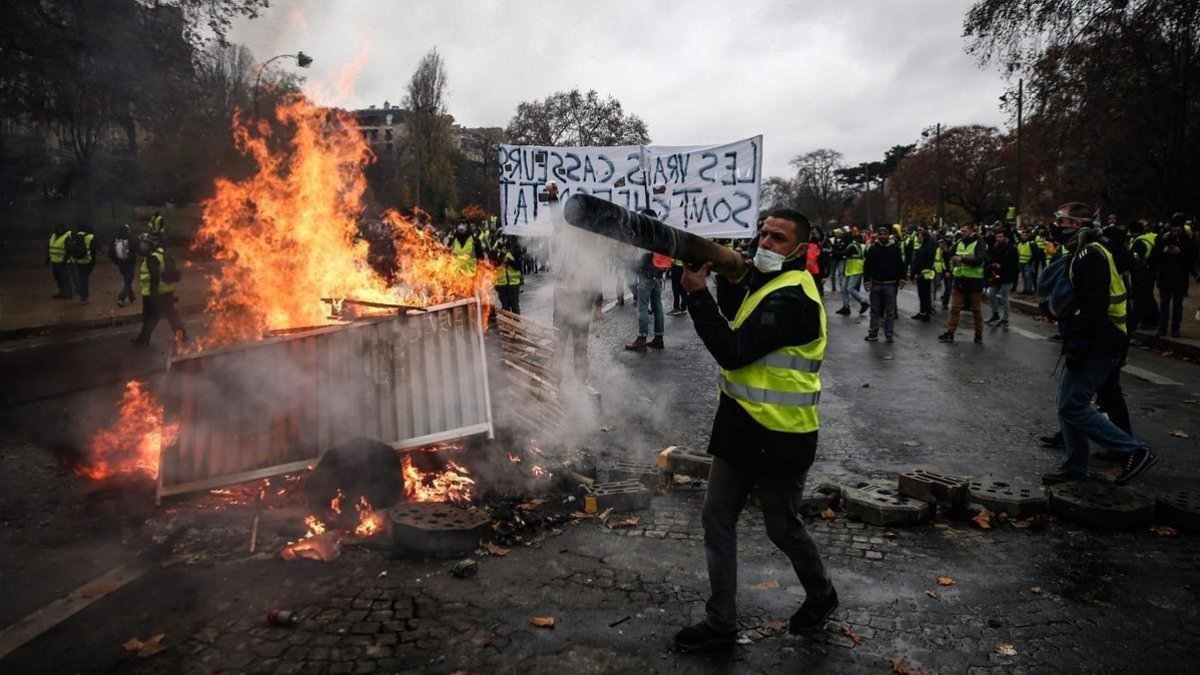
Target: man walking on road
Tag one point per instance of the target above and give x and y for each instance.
(883, 271)
(81, 252)
(765, 430)
(923, 268)
(1171, 261)
(855, 254)
(56, 255)
(158, 292)
(1003, 268)
(123, 253)
(1095, 343)
(966, 264)
(650, 270)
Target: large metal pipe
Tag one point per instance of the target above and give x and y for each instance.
(615, 222)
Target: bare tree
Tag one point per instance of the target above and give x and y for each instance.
(429, 126)
(819, 190)
(777, 192)
(574, 118)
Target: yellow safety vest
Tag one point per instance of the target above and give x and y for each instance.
(87, 259)
(1116, 289)
(1149, 238)
(510, 275)
(1024, 252)
(854, 259)
(58, 247)
(781, 390)
(163, 287)
(939, 262)
(158, 225)
(962, 269)
(465, 252)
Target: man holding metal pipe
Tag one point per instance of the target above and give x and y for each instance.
(765, 430)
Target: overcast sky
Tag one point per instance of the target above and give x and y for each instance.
(856, 76)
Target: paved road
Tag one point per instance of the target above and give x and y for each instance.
(1066, 598)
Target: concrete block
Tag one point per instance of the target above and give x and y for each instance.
(935, 488)
(1179, 509)
(629, 495)
(620, 470)
(1100, 505)
(819, 493)
(678, 460)
(880, 503)
(1013, 498)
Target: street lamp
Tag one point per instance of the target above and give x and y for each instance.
(1017, 188)
(303, 60)
(937, 144)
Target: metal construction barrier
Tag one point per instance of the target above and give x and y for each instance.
(265, 408)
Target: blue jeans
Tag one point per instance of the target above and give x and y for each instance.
(850, 286)
(1080, 421)
(1029, 274)
(1001, 304)
(649, 298)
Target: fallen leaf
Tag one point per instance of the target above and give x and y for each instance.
(770, 583)
(496, 550)
(976, 380)
(854, 637)
(864, 385)
(774, 627)
(1164, 531)
(482, 641)
(1034, 522)
(631, 521)
(945, 581)
(902, 667)
(542, 622)
(1005, 649)
(983, 520)
(147, 648)
(933, 594)
(1177, 433)
(828, 514)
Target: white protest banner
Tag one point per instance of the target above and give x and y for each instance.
(711, 191)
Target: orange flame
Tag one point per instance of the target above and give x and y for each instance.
(336, 504)
(314, 526)
(512, 457)
(288, 235)
(134, 442)
(540, 472)
(452, 484)
(369, 522)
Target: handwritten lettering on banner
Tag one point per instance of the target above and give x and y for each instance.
(711, 191)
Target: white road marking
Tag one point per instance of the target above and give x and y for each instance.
(1027, 333)
(60, 610)
(1149, 376)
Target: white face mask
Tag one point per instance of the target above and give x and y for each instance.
(770, 261)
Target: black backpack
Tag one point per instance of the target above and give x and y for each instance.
(170, 271)
(77, 246)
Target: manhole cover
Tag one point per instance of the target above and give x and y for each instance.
(1100, 505)
(1014, 498)
(1180, 509)
(436, 529)
(880, 503)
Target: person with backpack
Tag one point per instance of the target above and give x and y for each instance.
(651, 268)
(81, 254)
(56, 257)
(1091, 301)
(159, 274)
(123, 253)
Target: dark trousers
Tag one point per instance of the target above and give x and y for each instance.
(155, 307)
(1110, 399)
(1145, 306)
(947, 289)
(126, 294)
(1170, 309)
(63, 273)
(960, 299)
(925, 295)
(577, 334)
(779, 494)
(677, 293)
(510, 297)
(83, 274)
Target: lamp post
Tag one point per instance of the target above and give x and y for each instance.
(303, 60)
(1017, 180)
(937, 145)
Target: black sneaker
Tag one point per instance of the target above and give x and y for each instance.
(946, 337)
(1055, 441)
(703, 635)
(1061, 476)
(1003, 323)
(889, 339)
(1110, 456)
(812, 616)
(1137, 463)
(862, 308)
(871, 337)
(994, 320)
(845, 311)
(979, 338)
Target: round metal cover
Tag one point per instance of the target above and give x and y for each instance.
(436, 529)
(437, 516)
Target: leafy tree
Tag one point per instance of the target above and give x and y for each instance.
(573, 118)
(973, 169)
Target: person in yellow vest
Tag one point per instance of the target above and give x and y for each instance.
(1145, 308)
(941, 271)
(966, 265)
(158, 226)
(509, 261)
(765, 430)
(1096, 340)
(56, 257)
(466, 248)
(855, 254)
(158, 292)
(81, 254)
(924, 259)
(1026, 252)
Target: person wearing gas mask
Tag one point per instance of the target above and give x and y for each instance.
(466, 247)
(765, 429)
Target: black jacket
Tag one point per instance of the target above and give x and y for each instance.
(883, 263)
(1089, 334)
(1171, 269)
(1007, 260)
(923, 258)
(785, 317)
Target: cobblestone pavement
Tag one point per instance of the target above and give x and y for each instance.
(1060, 598)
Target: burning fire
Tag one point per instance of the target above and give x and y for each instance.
(452, 484)
(336, 504)
(133, 443)
(314, 526)
(514, 458)
(369, 522)
(288, 235)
